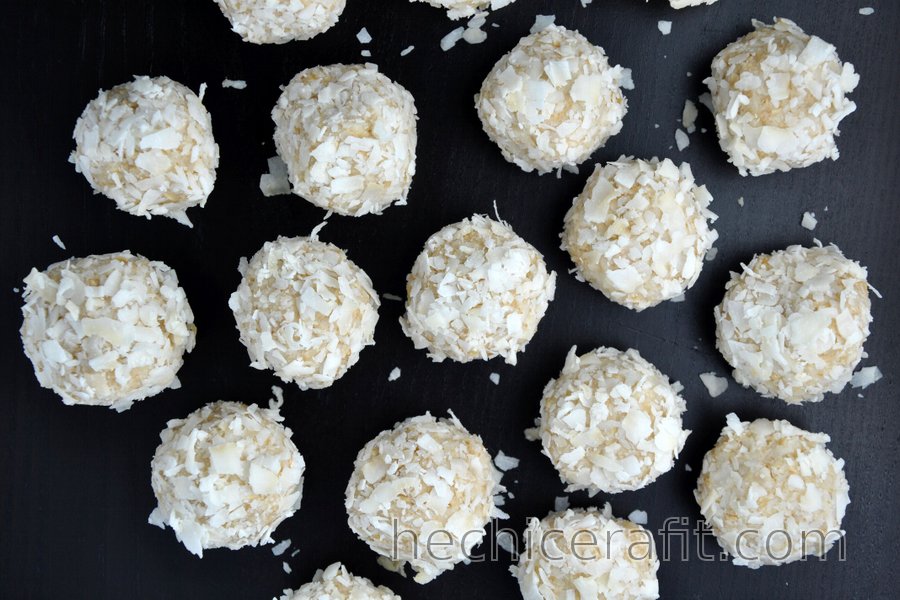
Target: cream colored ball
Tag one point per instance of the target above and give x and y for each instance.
(281, 21)
(335, 582)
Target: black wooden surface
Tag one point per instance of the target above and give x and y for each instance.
(74, 482)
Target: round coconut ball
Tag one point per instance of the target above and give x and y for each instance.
(457, 9)
(587, 553)
(793, 323)
(148, 144)
(778, 96)
(335, 582)
(304, 310)
(106, 330)
(552, 101)
(348, 137)
(677, 4)
(226, 476)
(772, 493)
(611, 422)
(281, 21)
(476, 291)
(425, 476)
(639, 232)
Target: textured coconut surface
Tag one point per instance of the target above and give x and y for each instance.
(76, 488)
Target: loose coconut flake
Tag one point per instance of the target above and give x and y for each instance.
(394, 374)
(865, 377)
(809, 221)
(276, 182)
(638, 517)
(665, 27)
(56, 240)
(237, 84)
(714, 384)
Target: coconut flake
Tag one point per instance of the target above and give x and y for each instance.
(504, 462)
(542, 22)
(689, 116)
(392, 297)
(58, 242)
(395, 374)
(665, 27)
(681, 140)
(561, 503)
(495, 378)
(364, 36)
(450, 40)
(809, 221)
(407, 50)
(715, 385)
(866, 11)
(865, 377)
(638, 516)
(237, 84)
(281, 547)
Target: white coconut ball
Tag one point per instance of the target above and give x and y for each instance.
(611, 421)
(793, 323)
(778, 96)
(639, 232)
(552, 101)
(476, 291)
(587, 553)
(457, 9)
(772, 493)
(281, 21)
(425, 475)
(226, 476)
(304, 310)
(106, 330)
(148, 144)
(335, 582)
(348, 137)
(678, 4)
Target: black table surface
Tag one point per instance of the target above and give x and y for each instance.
(74, 481)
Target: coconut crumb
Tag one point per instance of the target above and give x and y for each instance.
(866, 11)
(638, 516)
(407, 50)
(365, 53)
(395, 374)
(281, 547)
(495, 378)
(295, 552)
(689, 116)
(809, 221)
(504, 462)
(681, 140)
(542, 22)
(392, 297)
(237, 84)
(665, 27)
(364, 36)
(450, 40)
(865, 377)
(58, 242)
(687, 468)
(740, 202)
(286, 567)
(715, 385)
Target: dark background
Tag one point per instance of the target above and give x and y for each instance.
(74, 481)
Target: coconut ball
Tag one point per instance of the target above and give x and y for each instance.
(687, 3)
(304, 310)
(466, 8)
(281, 21)
(476, 291)
(793, 323)
(611, 421)
(772, 493)
(348, 137)
(226, 476)
(425, 477)
(336, 583)
(639, 232)
(778, 96)
(106, 330)
(587, 553)
(148, 144)
(552, 100)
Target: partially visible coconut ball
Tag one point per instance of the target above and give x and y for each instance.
(457, 9)
(778, 96)
(304, 310)
(476, 291)
(772, 493)
(148, 144)
(348, 137)
(552, 101)
(422, 493)
(639, 232)
(677, 4)
(107, 329)
(587, 553)
(335, 582)
(281, 21)
(793, 323)
(611, 421)
(226, 476)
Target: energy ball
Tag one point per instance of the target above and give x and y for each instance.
(611, 422)
(281, 21)
(639, 232)
(476, 291)
(337, 583)
(587, 553)
(304, 310)
(772, 493)
(226, 476)
(348, 137)
(778, 96)
(106, 330)
(457, 9)
(552, 101)
(687, 3)
(793, 323)
(148, 144)
(422, 493)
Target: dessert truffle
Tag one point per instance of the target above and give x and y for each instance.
(457, 9)
(677, 4)
(281, 21)
(335, 582)
(106, 329)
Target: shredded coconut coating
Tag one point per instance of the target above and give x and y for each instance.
(794, 322)
(552, 101)
(457, 9)
(476, 291)
(772, 493)
(281, 21)
(106, 330)
(226, 476)
(304, 310)
(425, 475)
(335, 582)
(587, 553)
(639, 232)
(611, 421)
(348, 136)
(778, 96)
(148, 144)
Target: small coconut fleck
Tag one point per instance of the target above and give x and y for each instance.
(665, 27)
(395, 374)
(495, 378)
(809, 221)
